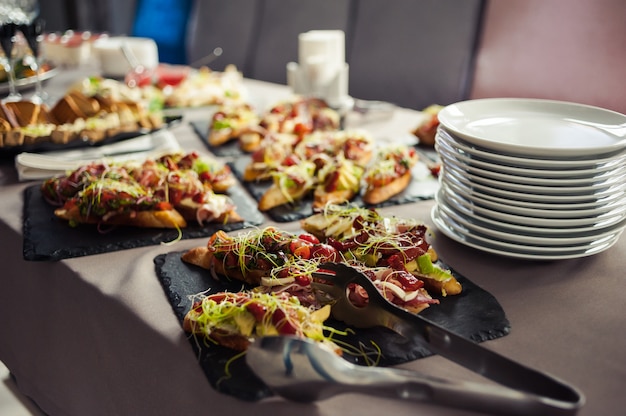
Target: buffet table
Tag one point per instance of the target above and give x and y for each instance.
(96, 335)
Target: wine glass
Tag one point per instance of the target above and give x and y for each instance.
(33, 32)
(14, 13)
(7, 39)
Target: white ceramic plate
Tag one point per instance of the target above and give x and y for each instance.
(474, 225)
(504, 167)
(572, 232)
(473, 209)
(450, 175)
(543, 188)
(520, 176)
(534, 127)
(524, 161)
(29, 82)
(469, 193)
(528, 227)
(508, 245)
(536, 212)
(517, 251)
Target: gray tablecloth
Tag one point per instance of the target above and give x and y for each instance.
(96, 335)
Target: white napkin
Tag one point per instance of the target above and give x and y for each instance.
(44, 165)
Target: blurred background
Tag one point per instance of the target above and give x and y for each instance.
(409, 52)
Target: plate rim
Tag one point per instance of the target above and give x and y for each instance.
(24, 83)
(540, 229)
(524, 161)
(529, 175)
(536, 197)
(608, 218)
(539, 189)
(473, 225)
(535, 212)
(449, 118)
(611, 198)
(521, 254)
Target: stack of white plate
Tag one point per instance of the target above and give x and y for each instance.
(535, 179)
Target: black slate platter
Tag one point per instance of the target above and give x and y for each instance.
(48, 238)
(474, 314)
(46, 146)
(229, 149)
(419, 189)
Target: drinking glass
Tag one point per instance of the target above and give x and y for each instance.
(7, 39)
(13, 14)
(33, 32)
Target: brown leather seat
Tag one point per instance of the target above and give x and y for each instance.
(558, 49)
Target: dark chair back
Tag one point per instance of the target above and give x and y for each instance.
(413, 53)
(230, 25)
(280, 23)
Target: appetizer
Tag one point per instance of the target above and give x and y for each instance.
(158, 193)
(427, 129)
(91, 110)
(234, 319)
(301, 116)
(204, 87)
(339, 180)
(273, 152)
(389, 174)
(276, 264)
(363, 235)
(252, 257)
(290, 184)
(235, 120)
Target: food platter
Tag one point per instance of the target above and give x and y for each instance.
(422, 187)
(29, 82)
(475, 314)
(46, 238)
(48, 146)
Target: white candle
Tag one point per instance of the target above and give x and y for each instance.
(329, 45)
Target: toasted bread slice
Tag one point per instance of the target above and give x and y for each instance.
(14, 137)
(66, 111)
(62, 135)
(376, 195)
(106, 104)
(26, 112)
(7, 114)
(274, 197)
(321, 197)
(5, 126)
(143, 219)
(199, 256)
(89, 106)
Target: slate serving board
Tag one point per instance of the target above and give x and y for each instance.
(229, 149)
(47, 238)
(9, 152)
(475, 314)
(420, 188)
